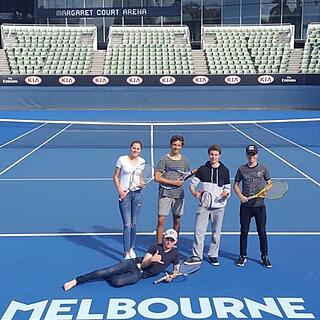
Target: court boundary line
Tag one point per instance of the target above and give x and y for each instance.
(152, 123)
(277, 156)
(288, 140)
(84, 234)
(22, 135)
(111, 179)
(33, 150)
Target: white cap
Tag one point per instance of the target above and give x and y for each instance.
(171, 233)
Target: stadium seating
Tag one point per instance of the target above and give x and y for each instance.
(311, 53)
(155, 50)
(149, 50)
(247, 49)
(49, 50)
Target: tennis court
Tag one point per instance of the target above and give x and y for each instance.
(60, 216)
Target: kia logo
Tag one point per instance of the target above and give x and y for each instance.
(33, 80)
(100, 80)
(134, 80)
(200, 80)
(232, 79)
(67, 80)
(265, 79)
(167, 80)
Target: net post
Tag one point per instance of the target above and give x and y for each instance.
(152, 146)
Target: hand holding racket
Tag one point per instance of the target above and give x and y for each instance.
(273, 191)
(139, 178)
(176, 177)
(207, 201)
(182, 271)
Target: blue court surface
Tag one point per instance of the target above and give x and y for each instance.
(60, 217)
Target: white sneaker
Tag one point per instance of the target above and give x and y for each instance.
(132, 254)
(127, 256)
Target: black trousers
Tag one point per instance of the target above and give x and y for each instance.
(260, 215)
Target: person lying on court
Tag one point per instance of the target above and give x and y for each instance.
(157, 259)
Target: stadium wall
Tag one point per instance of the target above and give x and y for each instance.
(244, 97)
(297, 91)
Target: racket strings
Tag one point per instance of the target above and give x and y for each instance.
(206, 199)
(277, 190)
(142, 175)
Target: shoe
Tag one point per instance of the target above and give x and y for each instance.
(241, 261)
(214, 261)
(193, 260)
(127, 256)
(132, 254)
(266, 262)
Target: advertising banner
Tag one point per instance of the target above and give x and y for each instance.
(160, 80)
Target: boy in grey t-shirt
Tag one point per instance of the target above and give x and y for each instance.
(253, 177)
(172, 198)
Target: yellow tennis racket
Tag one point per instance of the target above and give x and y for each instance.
(273, 190)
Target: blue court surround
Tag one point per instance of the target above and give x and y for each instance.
(124, 97)
(36, 260)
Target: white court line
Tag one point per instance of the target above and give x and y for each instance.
(24, 134)
(56, 179)
(277, 156)
(288, 140)
(148, 123)
(84, 234)
(32, 151)
(111, 179)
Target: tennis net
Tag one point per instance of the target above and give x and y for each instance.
(15, 133)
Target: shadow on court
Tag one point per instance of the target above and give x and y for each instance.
(96, 243)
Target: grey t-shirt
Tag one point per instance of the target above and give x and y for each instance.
(253, 180)
(164, 165)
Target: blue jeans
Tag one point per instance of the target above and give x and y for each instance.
(130, 209)
(121, 274)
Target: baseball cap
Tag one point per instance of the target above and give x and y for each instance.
(251, 148)
(171, 233)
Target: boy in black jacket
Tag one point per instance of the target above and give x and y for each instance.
(213, 177)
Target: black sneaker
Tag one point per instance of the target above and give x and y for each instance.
(193, 260)
(266, 262)
(241, 261)
(214, 261)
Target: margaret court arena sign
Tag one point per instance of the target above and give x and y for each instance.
(148, 11)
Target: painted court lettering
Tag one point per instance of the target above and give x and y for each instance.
(125, 308)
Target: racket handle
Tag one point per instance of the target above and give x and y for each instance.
(189, 175)
(252, 197)
(160, 279)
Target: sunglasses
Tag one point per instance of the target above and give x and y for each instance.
(170, 239)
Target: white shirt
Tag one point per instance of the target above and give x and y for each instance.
(126, 170)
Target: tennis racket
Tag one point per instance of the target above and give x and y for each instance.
(206, 199)
(176, 174)
(182, 271)
(141, 176)
(273, 191)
